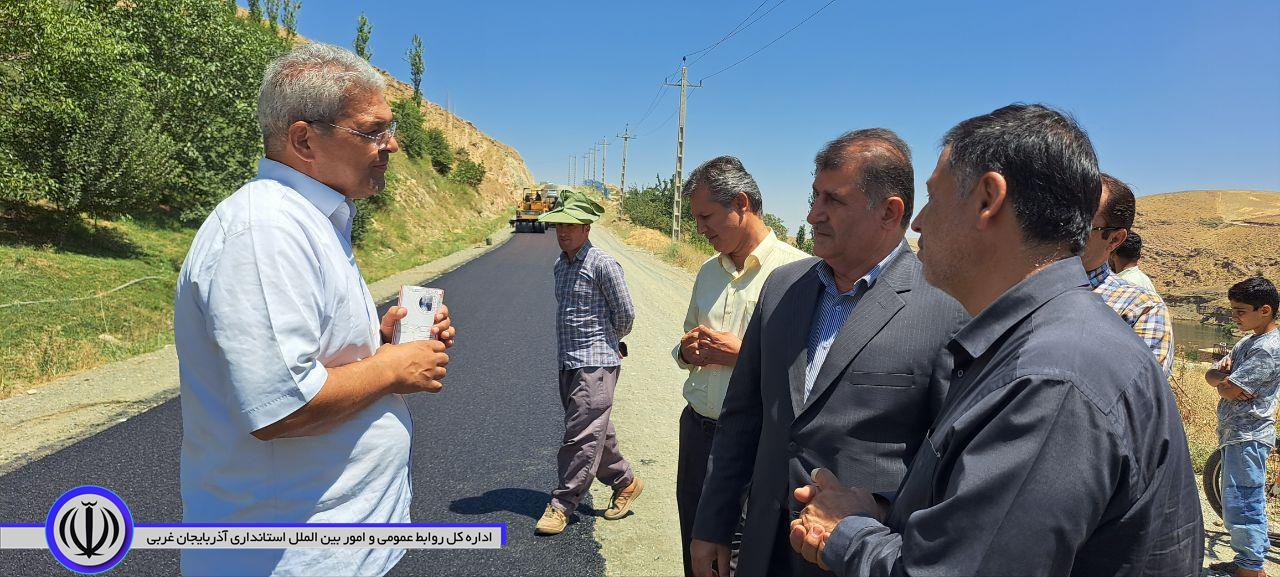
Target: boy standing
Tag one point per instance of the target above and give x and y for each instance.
(1247, 380)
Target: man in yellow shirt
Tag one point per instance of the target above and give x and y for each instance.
(727, 207)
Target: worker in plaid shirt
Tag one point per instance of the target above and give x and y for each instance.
(1142, 309)
(594, 312)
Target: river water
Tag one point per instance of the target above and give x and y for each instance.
(1190, 336)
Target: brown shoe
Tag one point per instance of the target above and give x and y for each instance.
(622, 500)
(552, 522)
(1230, 568)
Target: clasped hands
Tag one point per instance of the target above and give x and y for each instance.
(703, 346)
(827, 502)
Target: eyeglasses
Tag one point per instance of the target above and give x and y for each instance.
(381, 139)
(1104, 229)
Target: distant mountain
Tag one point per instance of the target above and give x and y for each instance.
(1197, 243)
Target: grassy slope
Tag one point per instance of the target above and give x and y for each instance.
(430, 217)
(37, 261)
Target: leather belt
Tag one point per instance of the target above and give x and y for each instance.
(708, 424)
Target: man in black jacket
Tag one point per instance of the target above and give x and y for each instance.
(1059, 450)
(836, 367)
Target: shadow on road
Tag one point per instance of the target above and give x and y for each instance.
(525, 502)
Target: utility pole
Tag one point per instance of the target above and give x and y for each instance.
(570, 180)
(604, 159)
(595, 157)
(622, 186)
(679, 180)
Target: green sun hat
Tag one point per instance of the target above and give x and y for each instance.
(575, 208)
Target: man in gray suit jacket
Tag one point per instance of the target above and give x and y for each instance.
(837, 367)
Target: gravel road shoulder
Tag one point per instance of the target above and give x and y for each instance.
(646, 415)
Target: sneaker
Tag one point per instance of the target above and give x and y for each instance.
(552, 522)
(622, 500)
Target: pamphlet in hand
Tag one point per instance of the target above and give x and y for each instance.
(423, 303)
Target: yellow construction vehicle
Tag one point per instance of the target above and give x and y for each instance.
(535, 203)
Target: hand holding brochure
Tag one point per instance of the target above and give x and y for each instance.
(422, 303)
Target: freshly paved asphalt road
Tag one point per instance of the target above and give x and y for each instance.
(483, 449)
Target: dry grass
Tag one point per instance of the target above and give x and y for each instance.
(1198, 403)
(680, 254)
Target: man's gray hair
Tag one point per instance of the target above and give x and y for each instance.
(885, 168)
(313, 82)
(725, 177)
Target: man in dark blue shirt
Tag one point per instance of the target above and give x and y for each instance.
(1059, 449)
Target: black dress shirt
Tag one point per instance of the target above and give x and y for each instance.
(1059, 451)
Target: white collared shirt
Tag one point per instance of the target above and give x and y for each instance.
(268, 300)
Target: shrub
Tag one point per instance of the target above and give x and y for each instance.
(437, 147)
(772, 221)
(468, 172)
(410, 133)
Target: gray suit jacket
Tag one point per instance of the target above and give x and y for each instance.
(873, 401)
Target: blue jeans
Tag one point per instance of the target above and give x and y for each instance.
(1244, 501)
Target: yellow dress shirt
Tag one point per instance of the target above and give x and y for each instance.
(724, 299)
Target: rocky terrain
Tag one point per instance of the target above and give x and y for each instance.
(1197, 243)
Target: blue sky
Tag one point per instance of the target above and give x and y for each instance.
(1176, 95)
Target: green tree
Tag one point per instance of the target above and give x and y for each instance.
(76, 126)
(205, 100)
(363, 31)
(290, 18)
(437, 147)
(776, 224)
(800, 237)
(273, 14)
(416, 67)
(410, 131)
(255, 11)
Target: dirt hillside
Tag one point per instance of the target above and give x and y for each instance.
(505, 171)
(1198, 243)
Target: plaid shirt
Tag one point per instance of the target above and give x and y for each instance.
(1141, 308)
(594, 309)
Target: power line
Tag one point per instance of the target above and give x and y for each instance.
(668, 119)
(657, 96)
(771, 42)
(731, 33)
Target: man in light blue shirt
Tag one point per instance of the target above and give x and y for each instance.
(290, 394)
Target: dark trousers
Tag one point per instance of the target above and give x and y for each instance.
(785, 560)
(589, 450)
(697, 433)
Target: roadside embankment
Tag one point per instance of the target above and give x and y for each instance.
(38, 421)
